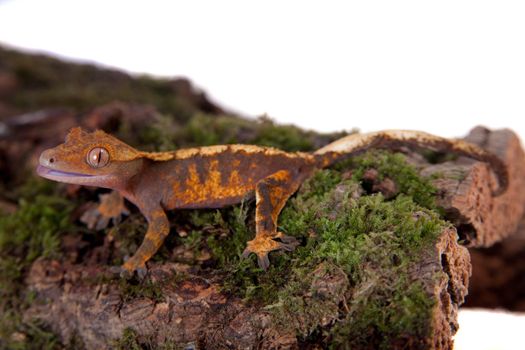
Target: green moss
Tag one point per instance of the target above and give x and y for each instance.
(309, 296)
(130, 340)
(128, 235)
(395, 167)
(130, 290)
(320, 183)
(285, 137)
(206, 130)
(376, 243)
(375, 321)
(31, 232)
(32, 336)
(157, 136)
(166, 133)
(435, 157)
(228, 249)
(47, 82)
(133, 289)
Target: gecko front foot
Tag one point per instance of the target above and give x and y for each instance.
(261, 246)
(110, 208)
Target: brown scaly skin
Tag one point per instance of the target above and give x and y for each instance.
(217, 176)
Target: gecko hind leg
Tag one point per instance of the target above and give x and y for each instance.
(271, 195)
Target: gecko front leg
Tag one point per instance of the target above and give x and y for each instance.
(271, 195)
(111, 207)
(158, 230)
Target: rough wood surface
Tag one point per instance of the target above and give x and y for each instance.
(195, 313)
(481, 219)
(450, 289)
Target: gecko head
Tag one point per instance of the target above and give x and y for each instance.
(92, 159)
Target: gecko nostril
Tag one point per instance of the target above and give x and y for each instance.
(51, 160)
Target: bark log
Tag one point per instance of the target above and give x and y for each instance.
(497, 278)
(466, 186)
(196, 314)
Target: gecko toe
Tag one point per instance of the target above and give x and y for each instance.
(141, 273)
(262, 258)
(287, 243)
(131, 266)
(287, 239)
(287, 247)
(263, 261)
(115, 271)
(126, 274)
(246, 253)
(102, 223)
(263, 246)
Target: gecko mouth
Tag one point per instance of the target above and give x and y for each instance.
(50, 173)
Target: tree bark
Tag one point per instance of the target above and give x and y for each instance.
(466, 186)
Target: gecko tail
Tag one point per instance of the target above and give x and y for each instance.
(397, 139)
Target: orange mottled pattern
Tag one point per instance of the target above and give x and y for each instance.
(216, 180)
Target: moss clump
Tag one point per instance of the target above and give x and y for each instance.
(47, 82)
(289, 138)
(130, 290)
(436, 157)
(127, 235)
(378, 318)
(235, 221)
(35, 336)
(130, 340)
(133, 289)
(31, 232)
(166, 133)
(394, 166)
(204, 130)
(376, 243)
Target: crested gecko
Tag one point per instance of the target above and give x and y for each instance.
(217, 176)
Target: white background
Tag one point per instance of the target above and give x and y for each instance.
(440, 66)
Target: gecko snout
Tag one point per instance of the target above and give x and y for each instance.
(47, 158)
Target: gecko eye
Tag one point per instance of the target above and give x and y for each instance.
(98, 157)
